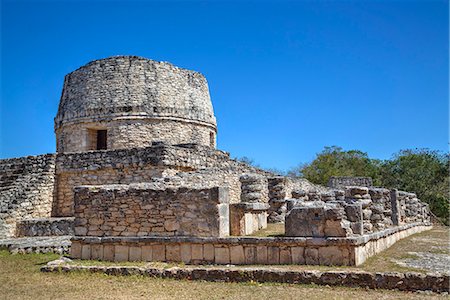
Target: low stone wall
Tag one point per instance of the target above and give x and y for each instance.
(410, 281)
(45, 227)
(343, 181)
(243, 250)
(26, 190)
(191, 163)
(148, 210)
(37, 244)
(282, 188)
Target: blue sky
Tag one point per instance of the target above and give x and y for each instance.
(286, 78)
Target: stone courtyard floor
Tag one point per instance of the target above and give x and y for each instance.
(20, 278)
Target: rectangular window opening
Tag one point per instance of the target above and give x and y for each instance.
(101, 140)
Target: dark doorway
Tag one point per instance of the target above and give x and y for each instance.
(101, 140)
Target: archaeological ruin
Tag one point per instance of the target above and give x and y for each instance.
(137, 177)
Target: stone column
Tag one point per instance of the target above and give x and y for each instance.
(395, 206)
(277, 199)
(250, 214)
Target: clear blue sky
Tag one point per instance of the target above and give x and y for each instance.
(286, 78)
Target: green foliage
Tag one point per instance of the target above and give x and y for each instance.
(422, 171)
(334, 161)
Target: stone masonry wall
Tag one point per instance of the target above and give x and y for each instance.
(26, 190)
(188, 165)
(282, 188)
(342, 181)
(123, 134)
(137, 91)
(242, 250)
(147, 210)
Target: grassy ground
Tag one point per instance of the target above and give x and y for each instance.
(20, 278)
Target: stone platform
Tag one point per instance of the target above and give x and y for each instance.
(384, 280)
(37, 244)
(243, 250)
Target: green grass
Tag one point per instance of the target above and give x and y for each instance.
(20, 278)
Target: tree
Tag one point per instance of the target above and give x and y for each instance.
(424, 172)
(334, 161)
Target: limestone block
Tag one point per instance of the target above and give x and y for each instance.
(186, 253)
(221, 255)
(147, 253)
(159, 253)
(285, 256)
(237, 255)
(75, 250)
(173, 253)
(121, 253)
(86, 252)
(135, 253)
(273, 255)
(331, 256)
(317, 219)
(208, 252)
(261, 254)
(311, 256)
(197, 252)
(97, 252)
(108, 252)
(250, 255)
(297, 254)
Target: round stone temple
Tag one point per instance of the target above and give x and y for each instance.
(128, 101)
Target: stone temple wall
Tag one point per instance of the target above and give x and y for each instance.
(282, 188)
(187, 165)
(123, 134)
(26, 190)
(342, 181)
(147, 210)
(137, 101)
(360, 210)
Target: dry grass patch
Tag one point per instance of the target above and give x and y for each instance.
(20, 278)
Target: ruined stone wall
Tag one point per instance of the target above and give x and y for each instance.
(187, 165)
(412, 209)
(147, 210)
(282, 188)
(342, 181)
(243, 250)
(138, 101)
(134, 133)
(26, 190)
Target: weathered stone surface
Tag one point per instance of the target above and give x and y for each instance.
(317, 219)
(26, 190)
(342, 181)
(138, 101)
(148, 210)
(405, 282)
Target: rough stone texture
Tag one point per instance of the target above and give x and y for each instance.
(250, 214)
(45, 227)
(26, 190)
(282, 188)
(37, 244)
(137, 101)
(146, 210)
(260, 250)
(317, 219)
(343, 181)
(406, 282)
(191, 165)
